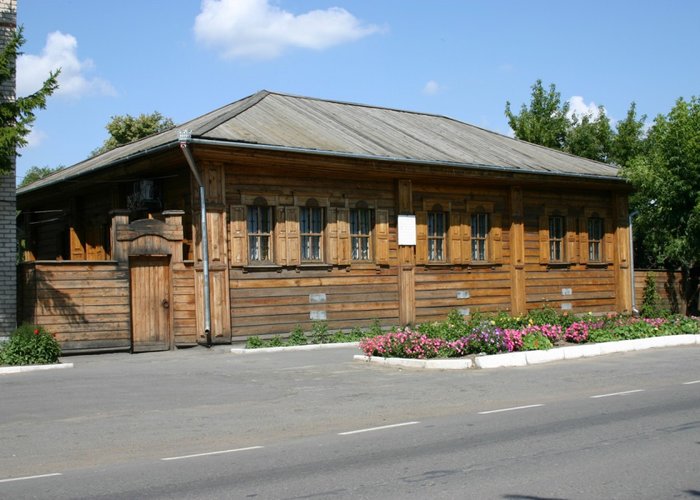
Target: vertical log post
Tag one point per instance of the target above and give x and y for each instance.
(622, 258)
(517, 253)
(407, 281)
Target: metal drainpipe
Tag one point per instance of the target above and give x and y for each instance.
(634, 299)
(185, 137)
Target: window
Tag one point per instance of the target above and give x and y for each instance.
(480, 232)
(556, 238)
(595, 239)
(360, 231)
(450, 235)
(311, 230)
(436, 236)
(259, 234)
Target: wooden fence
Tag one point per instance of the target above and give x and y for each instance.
(85, 304)
(669, 285)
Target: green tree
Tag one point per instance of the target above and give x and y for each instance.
(17, 117)
(590, 137)
(545, 121)
(628, 142)
(667, 187)
(124, 129)
(35, 173)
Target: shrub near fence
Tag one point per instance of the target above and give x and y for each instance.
(30, 345)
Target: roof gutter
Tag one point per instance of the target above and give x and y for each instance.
(185, 138)
(340, 154)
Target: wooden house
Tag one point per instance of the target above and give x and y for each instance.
(315, 210)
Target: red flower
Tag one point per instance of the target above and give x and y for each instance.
(36, 332)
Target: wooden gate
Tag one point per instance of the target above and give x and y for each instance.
(150, 303)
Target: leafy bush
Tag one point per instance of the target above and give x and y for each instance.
(30, 345)
(536, 341)
(297, 337)
(254, 342)
(651, 299)
(455, 327)
(319, 333)
(506, 321)
(683, 325)
(544, 316)
(275, 341)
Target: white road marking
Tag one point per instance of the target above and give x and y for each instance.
(212, 453)
(370, 429)
(509, 409)
(623, 393)
(692, 382)
(29, 477)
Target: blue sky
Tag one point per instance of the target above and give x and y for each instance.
(458, 58)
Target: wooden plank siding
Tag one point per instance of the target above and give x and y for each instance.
(571, 286)
(86, 304)
(183, 304)
(438, 291)
(270, 303)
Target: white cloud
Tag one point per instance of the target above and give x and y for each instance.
(256, 29)
(578, 107)
(60, 51)
(432, 88)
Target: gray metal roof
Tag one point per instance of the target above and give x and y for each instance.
(271, 120)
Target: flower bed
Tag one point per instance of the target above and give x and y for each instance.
(541, 330)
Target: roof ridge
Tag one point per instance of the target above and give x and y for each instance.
(237, 107)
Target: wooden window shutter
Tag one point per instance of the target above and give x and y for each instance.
(571, 245)
(331, 236)
(496, 239)
(381, 233)
(466, 238)
(421, 237)
(609, 249)
(455, 238)
(291, 218)
(583, 240)
(239, 241)
(343, 226)
(280, 237)
(544, 239)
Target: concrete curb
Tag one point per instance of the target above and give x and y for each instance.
(310, 347)
(512, 359)
(32, 368)
(434, 364)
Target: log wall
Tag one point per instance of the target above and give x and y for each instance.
(572, 286)
(269, 303)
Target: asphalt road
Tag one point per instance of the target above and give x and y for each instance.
(208, 424)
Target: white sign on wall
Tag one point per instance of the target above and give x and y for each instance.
(407, 229)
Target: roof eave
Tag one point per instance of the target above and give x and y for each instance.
(416, 161)
(67, 175)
